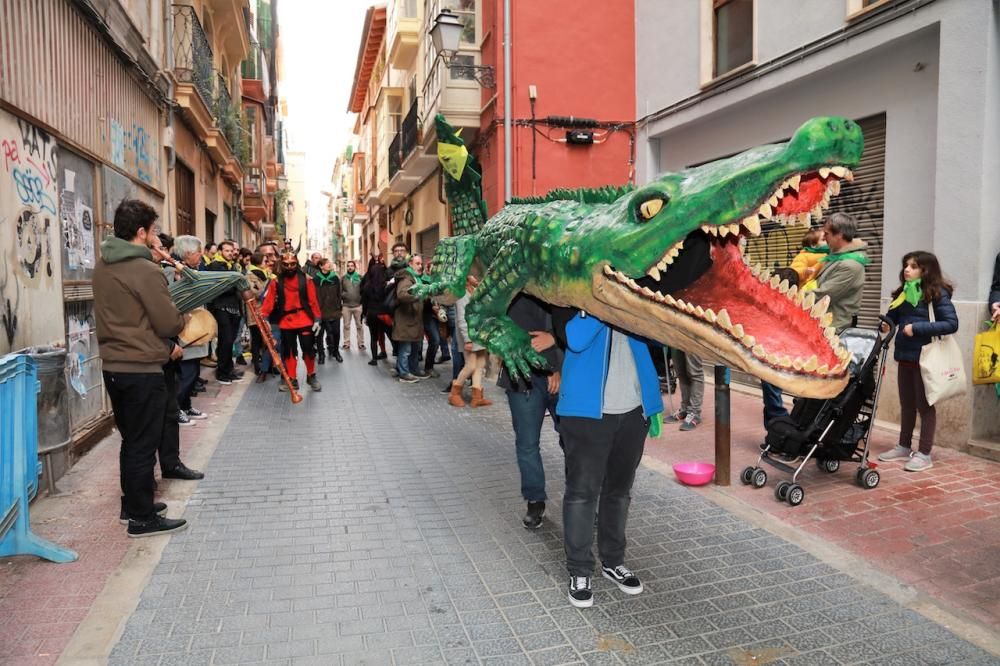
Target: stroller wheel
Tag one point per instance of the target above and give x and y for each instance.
(796, 494)
(829, 466)
(781, 490)
(870, 479)
(759, 478)
(746, 475)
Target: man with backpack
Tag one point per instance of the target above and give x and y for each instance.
(291, 303)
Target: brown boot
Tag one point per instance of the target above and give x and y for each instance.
(478, 400)
(455, 398)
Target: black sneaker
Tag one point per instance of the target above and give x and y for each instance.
(184, 473)
(621, 576)
(158, 525)
(314, 383)
(159, 507)
(373, 362)
(533, 518)
(340, 359)
(382, 356)
(223, 379)
(580, 594)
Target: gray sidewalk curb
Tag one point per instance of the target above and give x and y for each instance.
(94, 639)
(850, 564)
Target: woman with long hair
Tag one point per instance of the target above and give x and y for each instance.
(922, 287)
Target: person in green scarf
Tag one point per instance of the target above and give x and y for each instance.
(328, 293)
(408, 325)
(922, 287)
(841, 274)
(350, 285)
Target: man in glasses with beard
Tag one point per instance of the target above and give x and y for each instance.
(291, 303)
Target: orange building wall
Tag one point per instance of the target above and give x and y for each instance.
(581, 58)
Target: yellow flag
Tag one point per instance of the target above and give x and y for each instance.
(453, 159)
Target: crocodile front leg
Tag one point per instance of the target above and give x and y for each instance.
(487, 317)
(452, 259)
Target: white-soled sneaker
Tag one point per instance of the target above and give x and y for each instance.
(623, 577)
(580, 593)
(896, 453)
(918, 463)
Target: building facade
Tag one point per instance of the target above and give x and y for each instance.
(130, 99)
(922, 79)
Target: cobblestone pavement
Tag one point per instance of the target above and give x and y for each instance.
(374, 524)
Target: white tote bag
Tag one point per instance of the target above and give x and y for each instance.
(941, 367)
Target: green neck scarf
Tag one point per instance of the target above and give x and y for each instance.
(911, 293)
(352, 277)
(413, 273)
(819, 249)
(844, 256)
(326, 278)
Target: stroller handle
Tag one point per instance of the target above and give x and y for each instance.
(891, 333)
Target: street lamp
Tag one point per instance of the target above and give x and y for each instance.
(445, 36)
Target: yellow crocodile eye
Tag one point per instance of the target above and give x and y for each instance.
(650, 208)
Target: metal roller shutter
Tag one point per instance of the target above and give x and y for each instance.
(864, 199)
(428, 240)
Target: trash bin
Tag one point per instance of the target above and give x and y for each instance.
(53, 409)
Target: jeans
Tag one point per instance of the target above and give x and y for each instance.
(433, 343)
(774, 406)
(170, 442)
(187, 373)
(139, 401)
(457, 358)
(527, 411)
(266, 361)
(415, 349)
(403, 353)
(228, 329)
(257, 349)
(601, 458)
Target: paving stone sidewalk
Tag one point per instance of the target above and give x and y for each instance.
(374, 524)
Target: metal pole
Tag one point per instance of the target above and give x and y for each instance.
(508, 171)
(722, 426)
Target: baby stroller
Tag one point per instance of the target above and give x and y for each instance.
(829, 431)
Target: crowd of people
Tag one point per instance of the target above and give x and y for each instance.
(602, 386)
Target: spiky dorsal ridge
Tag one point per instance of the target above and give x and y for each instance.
(589, 195)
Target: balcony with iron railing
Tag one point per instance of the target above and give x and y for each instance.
(395, 155)
(192, 52)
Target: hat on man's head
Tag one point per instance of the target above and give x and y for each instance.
(200, 330)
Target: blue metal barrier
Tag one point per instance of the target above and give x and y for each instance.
(19, 465)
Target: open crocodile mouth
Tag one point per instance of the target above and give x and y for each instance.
(705, 278)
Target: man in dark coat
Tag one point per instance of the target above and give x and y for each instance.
(408, 320)
(328, 293)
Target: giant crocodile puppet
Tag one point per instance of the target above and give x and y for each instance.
(662, 261)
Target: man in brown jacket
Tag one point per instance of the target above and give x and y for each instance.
(135, 321)
(408, 321)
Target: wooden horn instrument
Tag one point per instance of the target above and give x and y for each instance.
(263, 326)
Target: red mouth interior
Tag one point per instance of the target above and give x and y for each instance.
(729, 284)
(810, 194)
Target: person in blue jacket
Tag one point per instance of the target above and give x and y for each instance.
(922, 287)
(608, 394)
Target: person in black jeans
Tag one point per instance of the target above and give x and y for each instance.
(135, 320)
(169, 450)
(373, 288)
(226, 310)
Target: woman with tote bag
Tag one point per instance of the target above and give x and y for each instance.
(923, 311)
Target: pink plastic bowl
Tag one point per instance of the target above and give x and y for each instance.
(694, 473)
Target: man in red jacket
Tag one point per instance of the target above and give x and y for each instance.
(291, 303)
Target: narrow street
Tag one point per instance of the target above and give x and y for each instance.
(374, 524)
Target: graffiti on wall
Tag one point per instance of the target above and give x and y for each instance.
(134, 149)
(77, 225)
(30, 288)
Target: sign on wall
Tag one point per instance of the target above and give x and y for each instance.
(30, 263)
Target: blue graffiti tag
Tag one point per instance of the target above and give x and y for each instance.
(31, 191)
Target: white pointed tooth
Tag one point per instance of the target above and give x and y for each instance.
(632, 284)
(780, 194)
(658, 296)
(773, 359)
(794, 181)
(823, 369)
(838, 171)
(669, 300)
(654, 273)
(734, 229)
(820, 308)
(824, 172)
(752, 224)
(779, 219)
(758, 351)
(755, 269)
(681, 305)
(785, 362)
(835, 187)
(646, 291)
(808, 300)
(678, 246)
(765, 275)
(805, 219)
(773, 201)
(662, 265)
(826, 319)
(792, 292)
(710, 316)
(723, 230)
(775, 281)
(843, 353)
(700, 311)
(836, 342)
(621, 276)
(849, 176)
(765, 211)
(690, 308)
(783, 286)
(607, 270)
(749, 341)
(669, 260)
(723, 320)
(817, 212)
(830, 333)
(738, 331)
(797, 363)
(811, 363)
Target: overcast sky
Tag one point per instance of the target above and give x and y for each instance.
(320, 48)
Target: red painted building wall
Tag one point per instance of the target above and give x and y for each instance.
(580, 56)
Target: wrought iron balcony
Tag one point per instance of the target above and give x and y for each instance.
(192, 53)
(395, 154)
(409, 132)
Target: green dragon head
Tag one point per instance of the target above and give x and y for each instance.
(665, 261)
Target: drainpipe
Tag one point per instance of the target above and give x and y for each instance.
(508, 171)
(168, 19)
